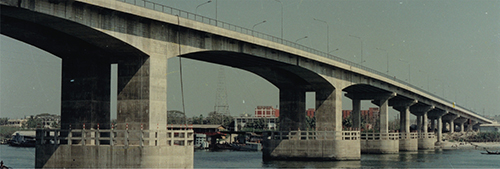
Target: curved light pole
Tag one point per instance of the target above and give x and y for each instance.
(300, 39)
(327, 39)
(196, 11)
(361, 42)
(256, 25)
(387, 53)
(281, 18)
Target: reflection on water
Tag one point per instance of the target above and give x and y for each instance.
(25, 158)
(417, 159)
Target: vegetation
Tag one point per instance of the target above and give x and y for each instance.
(176, 117)
(4, 121)
(485, 137)
(32, 123)
(311, 122)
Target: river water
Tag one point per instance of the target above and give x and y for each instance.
(466, 158)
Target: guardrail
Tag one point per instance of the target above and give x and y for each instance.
(426, 135)
(379, 136)
(413, 135)
(111, 137)
(213, 22)
(313, 135)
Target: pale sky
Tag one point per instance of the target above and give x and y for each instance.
(452, 47)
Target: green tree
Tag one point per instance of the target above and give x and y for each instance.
(4, 121)
(311, 122)
(217, 118)
(176, 117)
(32, 123)
(347, 122)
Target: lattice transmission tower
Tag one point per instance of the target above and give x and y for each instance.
(221, 105)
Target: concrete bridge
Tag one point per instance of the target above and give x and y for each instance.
(90, 35)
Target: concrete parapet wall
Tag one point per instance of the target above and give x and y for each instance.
(67, 156)
(408, 144)
(379, 146)
(312, 150)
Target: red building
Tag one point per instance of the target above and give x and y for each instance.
(266, 111)
(366, 114)
(310, 112)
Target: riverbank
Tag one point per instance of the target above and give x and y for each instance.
(469, 145)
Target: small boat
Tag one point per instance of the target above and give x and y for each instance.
(23, 139)
(492, 153)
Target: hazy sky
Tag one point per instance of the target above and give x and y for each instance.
(450, 48)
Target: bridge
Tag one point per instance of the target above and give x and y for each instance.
(140, 36)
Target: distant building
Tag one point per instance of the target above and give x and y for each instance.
(310, 112)
(16, 122)
(240, 122)
(266, 111)
(495, 127)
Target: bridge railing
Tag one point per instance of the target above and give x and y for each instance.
(210, 21)
(111, 137)
(313, 135)
(426, 135)
(412, 135)
(379, 136)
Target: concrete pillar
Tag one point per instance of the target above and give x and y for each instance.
(292, 109)
(384, 115)
(407, 141)
(328, 110)
(452, 126)
(85, 93)
(356, 114)
(461, 127)
(419, 124)
(440, 129)
(424, 123)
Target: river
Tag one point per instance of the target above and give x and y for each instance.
(462, 158)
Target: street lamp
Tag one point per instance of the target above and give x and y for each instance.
(361, 42)
(257, 24)
(300, 39)
(281, 18)
(387, 58)
(196, 10)
(327, 39)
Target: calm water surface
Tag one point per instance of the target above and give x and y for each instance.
(25, 158)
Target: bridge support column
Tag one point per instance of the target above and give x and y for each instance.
(433, 125)
(440, 131)
(328, 110)
(328, 142)
(383, 142)
(438, 115)
(85, 93)
(425, 140)
(356, 114)
(407, 141)
(292, 109)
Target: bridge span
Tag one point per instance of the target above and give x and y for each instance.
(140, 37)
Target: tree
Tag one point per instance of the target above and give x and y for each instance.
(217, 118)
(32, 123)
(311, 122)
(347, 122)
(4, 121)
(176, 117)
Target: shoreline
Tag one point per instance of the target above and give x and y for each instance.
(469, 145)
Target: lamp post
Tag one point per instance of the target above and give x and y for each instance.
(361, 42)
(387, 53)
(281, 18)
(264, 21)
(196, 10)
(327, 39)
(300, 39)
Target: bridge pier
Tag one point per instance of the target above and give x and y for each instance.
(384, 142)
(425, 140)
(327, 142)
(407, 141)
(438, 114)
